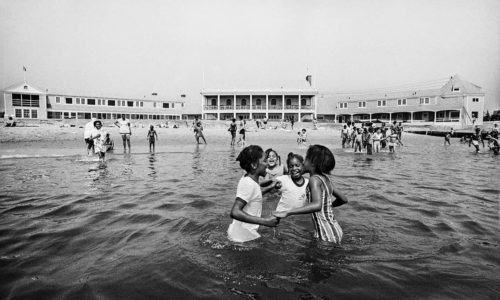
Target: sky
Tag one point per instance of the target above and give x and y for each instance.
(125, 48)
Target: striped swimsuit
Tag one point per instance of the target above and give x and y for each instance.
(326, 228)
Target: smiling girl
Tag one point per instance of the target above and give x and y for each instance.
(274, 166)
(293, 186)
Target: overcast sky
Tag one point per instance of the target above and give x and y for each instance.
(134, 48)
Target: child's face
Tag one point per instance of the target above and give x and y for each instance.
(98, 125)
(272, 159)
(295, 167)
(262, 166)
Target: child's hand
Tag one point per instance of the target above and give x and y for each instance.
(271, 221)
(280, 214)
(277, 185)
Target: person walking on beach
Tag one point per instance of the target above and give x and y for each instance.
(242, 132)
(232, 129)
(89, 127)
(321, 194)
(247, 208)
(125, 131)
(100, 138)
(152, 137)
(198, 130)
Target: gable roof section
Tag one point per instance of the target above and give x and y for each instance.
(24, 88)
(465, 87)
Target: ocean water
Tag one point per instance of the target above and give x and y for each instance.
(420, 223)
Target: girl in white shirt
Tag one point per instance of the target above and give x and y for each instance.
(247, 207)
(293, 186)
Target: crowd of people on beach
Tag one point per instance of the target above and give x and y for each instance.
(371, 138)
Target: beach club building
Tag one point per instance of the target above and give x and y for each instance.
(24, 101)
(456, 103)
(258, 104)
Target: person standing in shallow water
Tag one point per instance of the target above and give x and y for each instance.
(125, 131)
(321, 194)
(232, 129)
(152, 137)
(198, 130)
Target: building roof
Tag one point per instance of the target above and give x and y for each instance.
(209, 92)
(23, 88)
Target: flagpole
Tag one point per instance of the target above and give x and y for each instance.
(24, 74)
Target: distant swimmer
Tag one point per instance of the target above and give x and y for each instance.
(125, 131)
(152, 137)
(198, 130)
(475, 139)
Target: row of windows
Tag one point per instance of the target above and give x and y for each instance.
(26, 113)
(104, 102)
(25, 100)
(229, 102)
(104, 116)
(382, 103)
(475, 99)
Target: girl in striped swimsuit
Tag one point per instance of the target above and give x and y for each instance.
(321, 194)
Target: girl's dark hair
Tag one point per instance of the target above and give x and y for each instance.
(322, 159)
(97, 121)
(249, 155)
(291, 156)
(268, 151)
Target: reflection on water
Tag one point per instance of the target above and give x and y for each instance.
(422, 222)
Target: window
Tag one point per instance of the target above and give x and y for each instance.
(425, 100)
(228, 102)
(83, 101)
(475, 114)
(455, 89)
(214, 102)
(130, 103)
(69, 100)
(401, 102)
(475, 99)
(273, 101)
(173, 105)
(381, 103)
(361, 104)
(343, 105)
(77, 100)
(19, 113)
(26, 100)
(303, 102)
(154, 104)
(58, 100)
(258, 102)
(165, 105)
(111, 103)
(119, 103)
(142, 104)
(26, 113)
(288, 102)
(34, 114)
(91, 101)
(98, 101)
(16, 99)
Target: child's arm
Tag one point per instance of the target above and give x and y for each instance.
(237, 213)
(156, 134)
(315, 205)
(340, 199)
(274, 184)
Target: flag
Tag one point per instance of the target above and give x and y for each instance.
(24, 68)
(309, 79)
(183, 96)
(154, 94)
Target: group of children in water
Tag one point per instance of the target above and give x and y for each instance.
(315, 195)
(373, 139)
(479, 136)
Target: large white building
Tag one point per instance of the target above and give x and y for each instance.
(24, 101)
(258, 104)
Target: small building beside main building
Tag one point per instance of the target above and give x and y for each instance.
(24, 101)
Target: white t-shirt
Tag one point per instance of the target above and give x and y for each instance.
(292, 196)
(248, 190)
(89, 127)
(99, 142)
(377, 137)
(124, 126)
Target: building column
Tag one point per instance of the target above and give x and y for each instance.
(267, 106)
(300, 107)
(370, 117)
(218, 107)
(234, 106)
(390, 117)
(435, 114)
(251, 110)
(282, 106)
